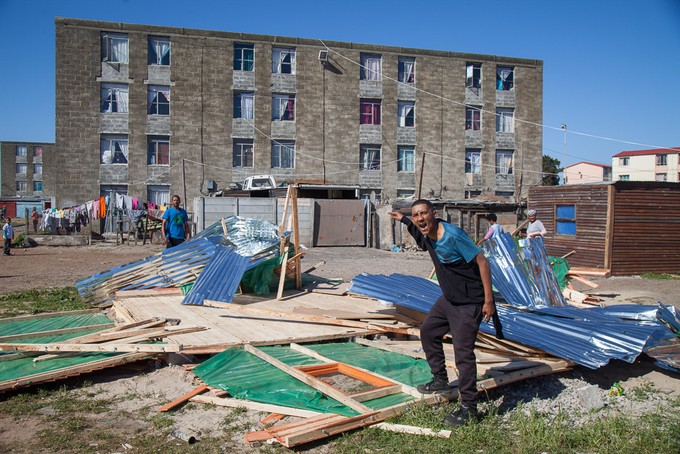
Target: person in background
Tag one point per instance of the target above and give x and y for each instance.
(495, 230)
(464, 276)
(535, 227)
(7, 235)
(175, 225)
(35, 217)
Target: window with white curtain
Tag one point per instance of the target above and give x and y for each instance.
(407, 70)
(244, 57)
(243, 153)
(283, 107)
(505, 78)
(244, 104)
(371, 67)
(504, 162)
(406, 155)
(37, 169)
(158, 100)
(407, 114)
(473, 161)
(283, 60)
(505, 120)
(114, 98)
(369, 157)
(22, 169)
(115, 47)
(283, 154)
(473, 118)
(158, 150)
(22, 150)
(112, 189)
(473, 75)
(159, 50)
(160, 195)
(662, 159)
(113, 149)
(21, 186)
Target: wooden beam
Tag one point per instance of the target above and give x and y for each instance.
(609, 228)
(413, 430)
(180, 400)
(583, 280)
(284, 266)
(309, 380)
(256, 406)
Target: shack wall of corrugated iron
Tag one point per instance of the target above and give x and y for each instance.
(591, 221)
(646, 232)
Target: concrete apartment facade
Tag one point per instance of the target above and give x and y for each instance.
(647, 165)
(152, 111)
(27, 170)
(587, 172)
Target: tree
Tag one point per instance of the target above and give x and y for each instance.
(551, 167)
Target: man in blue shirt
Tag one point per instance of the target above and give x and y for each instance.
(464, 276)
(175, 226)
(7, 235)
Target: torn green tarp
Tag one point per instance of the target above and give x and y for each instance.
(12, 326)
(560, 268)
(244, 376)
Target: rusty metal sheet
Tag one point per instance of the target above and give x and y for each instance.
(339, 223)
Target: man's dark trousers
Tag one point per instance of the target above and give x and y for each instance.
(463, 323)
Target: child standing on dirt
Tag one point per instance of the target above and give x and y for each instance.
(7, 235)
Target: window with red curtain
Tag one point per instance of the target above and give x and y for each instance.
(370, 112)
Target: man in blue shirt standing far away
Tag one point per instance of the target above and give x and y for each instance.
(175, 226)
(464, 276)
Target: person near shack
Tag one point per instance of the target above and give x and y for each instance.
(464, 276)
(175, 225)
(35, 217)
(535, 227)
(495, 229)
(8, 236)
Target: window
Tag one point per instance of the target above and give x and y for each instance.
(37, 152)
(115, 47)
(158, 150)
(113, 149)
(22, 150)
(406, 193)
(283, 107)
(243, 104)
(661, 177)
(283, 60)
(111, 189)
(283, 154)
(370, 112)
(473, 161)
(243, 153)
(504, 162)
(624, 161)
(505, 78)
(473, 75)
(407, 114)
(22, 169)
(473, 118)
(565, 219)
(21, 186)
(159, 195)
(37, 169)
(406, 158)
(114, 98)
(407, 70)
(369, 157)
(662, 159)
(159, 50)
(505, 120)
(624, 177)
(370, 67)
(159, 100)
(244, 57)
(37, 186)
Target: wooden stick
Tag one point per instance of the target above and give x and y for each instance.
(309, 380)
(284, 265)
(413, 430)
(257, 406)
(583, 280)
(180, 400)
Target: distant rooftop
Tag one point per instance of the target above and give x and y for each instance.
(654, 151)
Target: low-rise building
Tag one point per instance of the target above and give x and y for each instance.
(587, 172)
(27, 177)
(661, 164)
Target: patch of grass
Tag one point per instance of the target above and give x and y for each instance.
(642, 392)
(161, 421)
(38, 301)
(666, 276)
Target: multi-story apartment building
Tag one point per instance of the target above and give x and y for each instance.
(26, 169)
(661, 164)
(150, 111)
(587, 172)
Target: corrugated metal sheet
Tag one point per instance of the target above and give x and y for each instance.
(590, 341)
(220, 278)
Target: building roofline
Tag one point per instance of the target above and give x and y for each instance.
(654, 151)
(590, 163)
(285, 40)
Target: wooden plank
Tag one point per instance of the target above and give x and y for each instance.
(582, 280)
(272, 418)
(282, 272)
(371, 394)
(309, 380)
(346, 315)
(256, 406)
(180, 400)
(53, 332)
(413, 430)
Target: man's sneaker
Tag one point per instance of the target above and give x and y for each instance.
(462, 416)
(437, 385)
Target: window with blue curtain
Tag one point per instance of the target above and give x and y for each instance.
(565, 219)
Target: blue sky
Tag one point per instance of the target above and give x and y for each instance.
(611, 67)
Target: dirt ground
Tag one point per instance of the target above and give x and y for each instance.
(136, 393)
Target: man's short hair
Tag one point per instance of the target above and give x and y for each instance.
(491, 217)
(423, 202)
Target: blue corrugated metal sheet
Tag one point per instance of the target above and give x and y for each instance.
(590, 339)
(219, 279)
